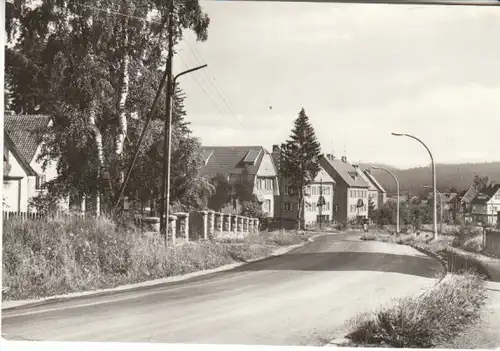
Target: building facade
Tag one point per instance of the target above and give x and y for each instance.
(249, 169)
(351, 192)
(485, 207)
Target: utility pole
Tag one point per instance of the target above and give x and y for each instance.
(165, 185)
(281, 187)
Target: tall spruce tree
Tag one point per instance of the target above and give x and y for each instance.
(301, 154)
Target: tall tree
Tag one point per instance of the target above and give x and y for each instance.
(480, 182)
(301, 155)
(94, 67)
(371, 209)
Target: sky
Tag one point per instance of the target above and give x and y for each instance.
(360, 71)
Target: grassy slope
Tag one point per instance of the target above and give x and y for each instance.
(70, 255)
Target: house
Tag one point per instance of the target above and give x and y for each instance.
(23, 174)
(376, 192)
(465, 202)
(485, 206)
(351, 190)
(318, 197)
(250, 167)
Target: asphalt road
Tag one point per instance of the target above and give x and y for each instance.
(301, 298)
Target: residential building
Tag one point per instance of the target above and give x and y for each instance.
(248, 166)
(23, 173)
(465, 202)
(485, 206)
(315, 210)
(351, 190)
(376, 192)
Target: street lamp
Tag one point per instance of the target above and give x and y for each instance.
(434, 207)
(441, 210)
(165, 189)
(397, 186)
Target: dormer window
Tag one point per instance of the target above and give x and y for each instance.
(251, 156)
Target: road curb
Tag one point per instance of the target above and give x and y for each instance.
(13, 305)
(343, 341)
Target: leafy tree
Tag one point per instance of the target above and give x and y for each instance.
(222, 194)
(301, 156)
(480, 182)
(93, 72)
(371, 209)
(251, 209)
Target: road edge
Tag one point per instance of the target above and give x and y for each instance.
(12, 305)
(342, 341)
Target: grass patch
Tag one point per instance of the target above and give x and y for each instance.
(426, 321)
(59, 256)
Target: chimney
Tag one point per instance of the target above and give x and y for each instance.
(356, 167)
(344, 159)
(276, 148)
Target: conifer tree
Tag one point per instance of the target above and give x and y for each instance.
(301, 154)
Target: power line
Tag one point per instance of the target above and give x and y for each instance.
(211, 79)
(201, 87)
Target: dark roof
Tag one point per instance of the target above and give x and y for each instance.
(345, 172)
(470, 194)
(17, 154)
(24, 131)
(230, 160)
(486, 194)
(374, 181)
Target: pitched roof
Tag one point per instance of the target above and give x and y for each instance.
(232, 160)
(373, 181)
(345, 171)
(17, 154)
(24, 132)
(486, 194)
(470, 194)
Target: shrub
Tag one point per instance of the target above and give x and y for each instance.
(426, 321)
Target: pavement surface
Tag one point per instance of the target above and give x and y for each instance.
(301, 298)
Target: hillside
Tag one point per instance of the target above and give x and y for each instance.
(448, 176)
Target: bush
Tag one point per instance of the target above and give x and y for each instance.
(468, 238)
(58, 256)
(426, 321)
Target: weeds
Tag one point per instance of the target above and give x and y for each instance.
(58, 256)
(426, 321)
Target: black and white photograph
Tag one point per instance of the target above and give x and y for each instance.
(251, 173)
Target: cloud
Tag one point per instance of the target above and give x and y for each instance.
(359, 70)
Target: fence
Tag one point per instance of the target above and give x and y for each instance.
(38, 215)
(492, 243)
(195, 225)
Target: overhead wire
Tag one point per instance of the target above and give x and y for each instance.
(197, 57)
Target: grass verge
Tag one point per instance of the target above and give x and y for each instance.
(426, 321)
(60, 256)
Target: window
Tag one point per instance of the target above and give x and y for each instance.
(266, 206)
(327, 206)
(286, 190)
(313, 190)
(326, 190)
(287, 206)
(40, 180)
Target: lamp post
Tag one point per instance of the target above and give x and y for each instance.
(165, 188)
(441, 210)
(397, 187)
(433, 165)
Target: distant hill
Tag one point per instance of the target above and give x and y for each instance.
(458, 176)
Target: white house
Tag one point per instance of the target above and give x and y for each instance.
(485, 207)
(23, 174)
(250, 165)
